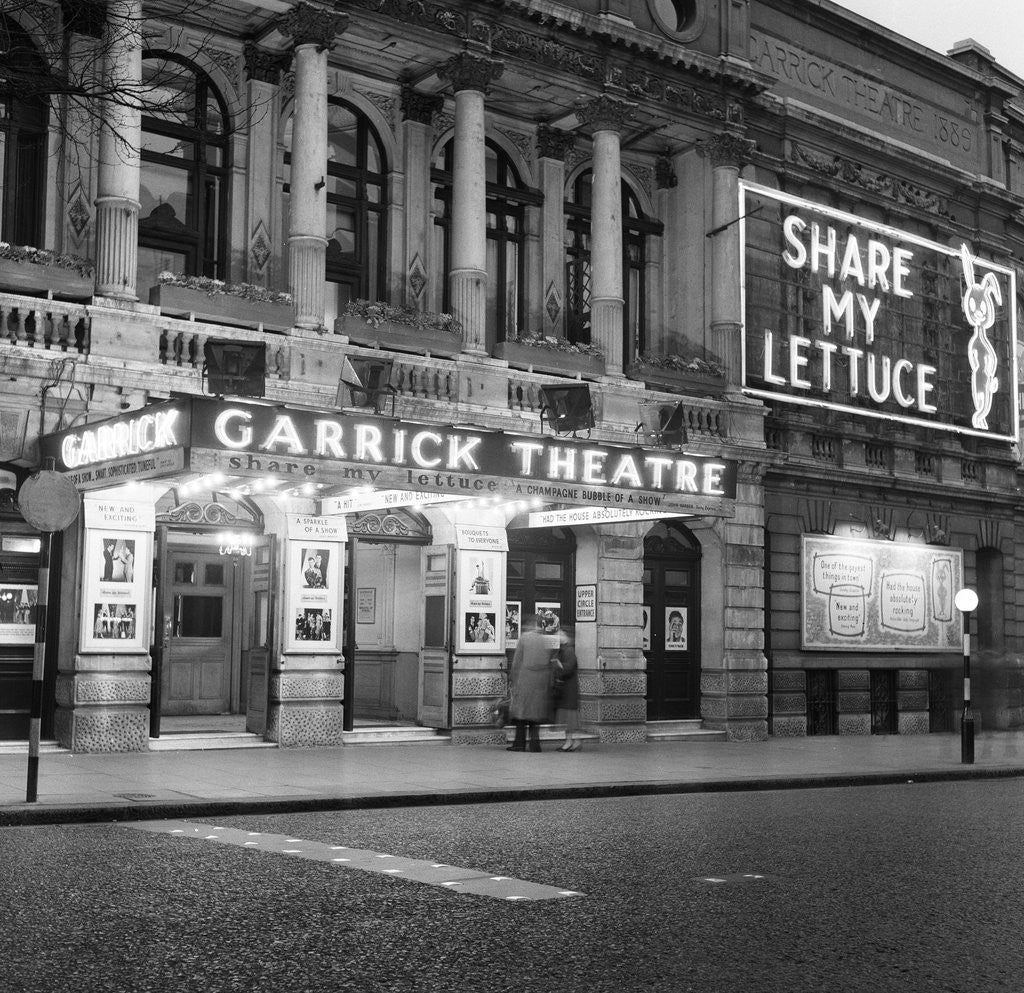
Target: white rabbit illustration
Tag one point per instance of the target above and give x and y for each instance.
(980, 302)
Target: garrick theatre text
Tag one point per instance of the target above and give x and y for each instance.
(865, 275)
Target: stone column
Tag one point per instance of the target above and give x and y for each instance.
(117, 203)
(727, 152)
(613, 676)
(418, 110)
(607, 116)
(263, 70)
(553, 145)
(312, 30)
(470, 76)
(734, 684)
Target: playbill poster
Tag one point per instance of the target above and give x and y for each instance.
(314, 584)
(114, 609)
(18, 613)
(880, 596)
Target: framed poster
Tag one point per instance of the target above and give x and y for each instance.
(675, 628)
(645, 627)
(115, 592)
(366, 605)
(480, 604)
(18, 613)
(313, 596)
(882, 596)
(513, 622)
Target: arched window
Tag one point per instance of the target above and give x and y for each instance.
(22, 141)
(578, 287)
(356, 207)
(507, 199)
(185, 169)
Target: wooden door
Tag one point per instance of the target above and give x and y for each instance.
(436, 642)
(672, 637)
(260, 638)
(199, 661)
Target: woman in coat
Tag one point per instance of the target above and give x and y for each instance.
(567, 692)
(530, 694)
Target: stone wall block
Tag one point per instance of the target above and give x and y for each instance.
(103, 729)
(854, 724)
(305, 725)
(853, 679)
(854, 703)
(789, 680)
(912, 679)
(789, 726)
(789, 703)
(913, 723)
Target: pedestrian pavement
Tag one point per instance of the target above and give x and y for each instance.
(81, 787)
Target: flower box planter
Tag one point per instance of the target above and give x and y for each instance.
(400, 337)
(32, 279)
(685, 381)
(220, 308)
(536, 358)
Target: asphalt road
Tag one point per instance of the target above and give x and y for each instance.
(916, 887)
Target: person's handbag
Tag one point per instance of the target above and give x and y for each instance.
(499, 712)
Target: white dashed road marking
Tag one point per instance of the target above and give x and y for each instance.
(432, 873)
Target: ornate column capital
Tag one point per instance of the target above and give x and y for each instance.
(471, 72)
(727, 148)
(420, 107)
(554, 143)
(605, 113)
(264, 66)
(309, 24)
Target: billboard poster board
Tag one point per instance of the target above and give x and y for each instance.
(481, 601)
(881, 596)
(850, 315)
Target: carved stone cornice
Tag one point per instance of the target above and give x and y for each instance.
(264, 66)
(309, 24)
(728, 148)
(554, 143)
(605, 113)
(420, 107)
(471, 72)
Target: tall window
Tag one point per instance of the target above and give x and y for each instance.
(507, 199)
(185, 167)
(22, 142)
(356, 204)
(636, 227)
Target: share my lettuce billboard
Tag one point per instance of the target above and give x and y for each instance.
(844, 313)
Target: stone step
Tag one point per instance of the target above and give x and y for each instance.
(21, 748)
(395, 736)
(213, 739)
(682, 730)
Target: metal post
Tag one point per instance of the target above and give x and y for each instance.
(967, 719)
(966, 600)
(38, 668)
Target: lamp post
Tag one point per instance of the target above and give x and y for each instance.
(966, 600)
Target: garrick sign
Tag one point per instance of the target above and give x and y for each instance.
(345, 449)
(844, 313)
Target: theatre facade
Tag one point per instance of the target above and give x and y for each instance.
(691, 328)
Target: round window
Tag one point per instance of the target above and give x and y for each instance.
(681, 20)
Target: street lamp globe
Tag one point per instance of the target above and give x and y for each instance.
(966, 600)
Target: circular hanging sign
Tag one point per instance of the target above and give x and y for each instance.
(48, 501)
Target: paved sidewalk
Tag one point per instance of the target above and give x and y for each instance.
(83, 787)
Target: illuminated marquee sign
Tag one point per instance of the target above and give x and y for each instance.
(843, 313)
(252, 439)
